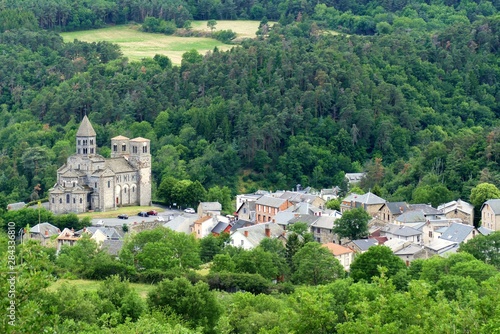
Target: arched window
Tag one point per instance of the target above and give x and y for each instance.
(67, 198)
(60, 200)
(81, 200)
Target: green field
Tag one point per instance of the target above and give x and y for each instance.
(88, 285)
(136, 44)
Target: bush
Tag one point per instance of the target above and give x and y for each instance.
(233, 282)
(225, 36)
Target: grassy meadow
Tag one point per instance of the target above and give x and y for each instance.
(136, 44)
(89, 285)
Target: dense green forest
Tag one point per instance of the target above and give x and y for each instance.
(409, 94)
(457, 294)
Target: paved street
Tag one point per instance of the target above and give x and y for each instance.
(167, 215)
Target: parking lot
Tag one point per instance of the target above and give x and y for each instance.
(167, 215)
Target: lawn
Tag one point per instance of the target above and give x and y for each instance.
(89, 285)
(136, 44)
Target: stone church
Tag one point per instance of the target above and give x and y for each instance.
(88, 181)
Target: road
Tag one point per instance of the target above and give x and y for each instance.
(167, 215)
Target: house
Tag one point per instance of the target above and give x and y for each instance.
(370, 202)
(42, 232)
(251, 236)
(88, 181)
(306, 208)
(343, 254)
(459, 233)
(322, 230)
(100, 234)
(433, 229)
(180, 224)
(490, 214)
(419, 213)
(354, 178)
(441, 247)
(391, 210)
(221, 227)
(203, 226)
(296, 197)
(361, 245)
(246, 211)
(393, 231)
(209, 209)
(458, 209)
(242, 198)
(267, 207)
(112, 247)
(411, 252)
(283, 218)
(66, 238)
(329, 194)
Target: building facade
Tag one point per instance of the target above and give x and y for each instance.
(88, 181)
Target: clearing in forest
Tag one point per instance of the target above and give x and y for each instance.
(136, 44)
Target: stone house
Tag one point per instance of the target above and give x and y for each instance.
(209, 209)
(458, 209)
(369, 202)
(42, 232)
(88, 181)
(251, 236)
(322, 230)
(490, 214)
(391, 210)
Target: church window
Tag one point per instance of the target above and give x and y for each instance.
(79, 151)
(79, 142)
(115, 148)
(124, 147)
(134, 149)
(67, 198)
(52, 200)
(74, 200)
(95, 185)
(144, 149)
(109, 184)
(81, 200)
(60, 200)
(73, 183)
(91, 150)
(85, 151)
(125, 190)
(92, 142)
(85, 142)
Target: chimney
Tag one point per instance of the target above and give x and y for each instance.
(245, 233)
(268, 231)
(46, 233)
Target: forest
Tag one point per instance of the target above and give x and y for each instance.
(412, 98)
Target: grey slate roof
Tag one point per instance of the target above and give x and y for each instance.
(113, 247)
(494, 205)
(401, 230)
(370, 198)
(397, 207)
(16, 206)
(85, 129)
(240, 223)
(120, 165)
(42, 227)
(484, 230)
(426, 209)
(179, 224)
(211, 206)
(413, 216)
(457, 232)
(411, 249)
(326, 222)
(308, 219)
(110, 232)
(257, 233)
(283, 217)
(220, 227)
(270, 201)
(364, 244)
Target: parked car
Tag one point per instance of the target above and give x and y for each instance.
(189, 210)
(153, 213)
(122, 216)
(143, 214)
(100, 223)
